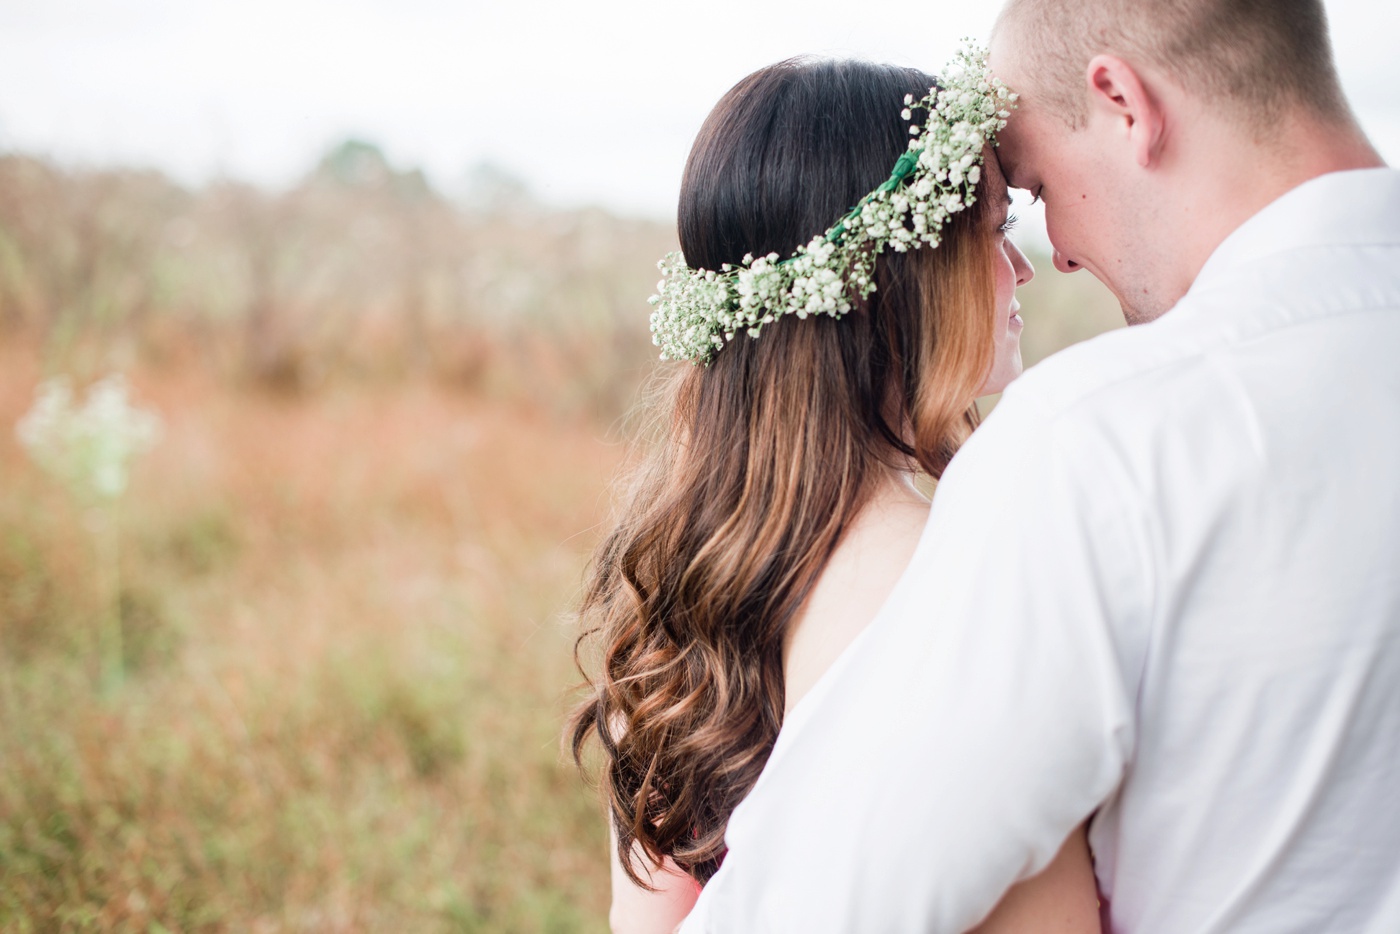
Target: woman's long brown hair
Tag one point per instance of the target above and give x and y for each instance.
(766, 455)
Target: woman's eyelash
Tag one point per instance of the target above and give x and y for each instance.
(1011, 221)
(1035, 196)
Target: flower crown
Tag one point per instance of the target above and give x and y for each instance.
(698, 310)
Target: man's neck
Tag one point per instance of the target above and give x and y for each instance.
(1221, 194)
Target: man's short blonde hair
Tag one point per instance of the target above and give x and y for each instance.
(1258, 58)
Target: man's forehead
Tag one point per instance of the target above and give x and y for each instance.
(995, 179)
(1016, 145)
(1001, 52)
(1005, 60)
(1002, 59)
(1006, 167)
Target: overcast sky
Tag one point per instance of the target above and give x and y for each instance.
(592, 102)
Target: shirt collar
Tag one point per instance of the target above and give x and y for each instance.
(1352, 208)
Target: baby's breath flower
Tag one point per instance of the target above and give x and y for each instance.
(696, 311)
(87, 447)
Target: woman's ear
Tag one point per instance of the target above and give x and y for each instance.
(1119, 95)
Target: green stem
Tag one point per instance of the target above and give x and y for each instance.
(109, 574)
(903, 168)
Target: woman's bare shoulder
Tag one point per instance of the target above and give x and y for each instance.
(853, 586)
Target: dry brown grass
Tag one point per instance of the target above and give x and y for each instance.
(346, 626)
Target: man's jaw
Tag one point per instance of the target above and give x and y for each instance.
(1134, 310)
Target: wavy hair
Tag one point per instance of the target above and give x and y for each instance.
(763, 458)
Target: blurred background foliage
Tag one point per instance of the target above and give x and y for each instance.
(390, 420)
(359, 270)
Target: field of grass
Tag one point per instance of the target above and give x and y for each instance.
(348, 645)
(347, 567)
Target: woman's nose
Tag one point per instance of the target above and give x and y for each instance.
(1025, 272)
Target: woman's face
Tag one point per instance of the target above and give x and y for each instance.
(1012, 270)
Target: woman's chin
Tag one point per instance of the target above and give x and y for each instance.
(1004, 372)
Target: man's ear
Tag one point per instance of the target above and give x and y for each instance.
(1118, 93)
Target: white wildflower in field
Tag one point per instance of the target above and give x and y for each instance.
(87, 447)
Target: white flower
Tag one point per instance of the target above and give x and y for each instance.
(89, 447)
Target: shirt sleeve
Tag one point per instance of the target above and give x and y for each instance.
(984, 714)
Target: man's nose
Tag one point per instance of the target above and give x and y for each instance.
(1064, 263)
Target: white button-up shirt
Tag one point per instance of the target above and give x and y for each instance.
(1160, 584)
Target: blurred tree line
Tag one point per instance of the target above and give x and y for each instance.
(361, 269)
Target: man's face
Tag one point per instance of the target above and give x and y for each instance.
(1089, 213)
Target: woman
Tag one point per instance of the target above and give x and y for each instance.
(778, 508)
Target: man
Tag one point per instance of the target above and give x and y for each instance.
(1160, 587)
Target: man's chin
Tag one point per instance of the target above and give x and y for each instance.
(1147, 299)
(1141, 313)
(1140, 309)
(1132, 316)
